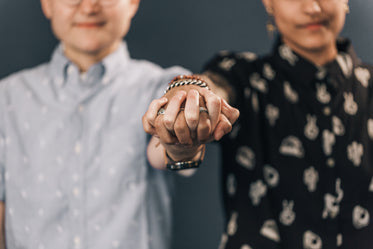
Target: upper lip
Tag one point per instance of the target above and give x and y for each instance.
(90, 23)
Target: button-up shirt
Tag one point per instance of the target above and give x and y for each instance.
(74, 172)
(298, 165)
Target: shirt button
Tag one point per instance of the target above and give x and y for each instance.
(78, 148)
(81, 108)
(327, 111)
(105, 80)
(70, 69)
(76, 192)
(77, 242)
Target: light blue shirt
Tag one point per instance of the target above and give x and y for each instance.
(73, 162)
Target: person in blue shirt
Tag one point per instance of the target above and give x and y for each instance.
(73, 166)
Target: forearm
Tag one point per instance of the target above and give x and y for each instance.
(2, 225)
(161, 154)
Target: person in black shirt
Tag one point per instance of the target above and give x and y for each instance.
(298, 164)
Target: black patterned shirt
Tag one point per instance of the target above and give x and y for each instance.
(297, 167)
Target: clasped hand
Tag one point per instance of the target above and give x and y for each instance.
(183, 122)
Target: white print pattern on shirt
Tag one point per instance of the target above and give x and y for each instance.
(270, 230)
(231, 185)
(232, 224)
(321, 73)
(360, 217)
(249, 56)
(354, 153)
(328, 142)
(311, 178)
(227, 64)
(255, 102)
(311, 240)
(224, 52)
(370, 128)
(322, 94)
(257, 191)
(292, 146)
(272, 114)
(223, 241)
(290, 93)
(287, 54)
(331, 208)
(363, 76)
(258, 83)
(350, 106)
(246, 157)
(371, 185)
(339, 239)
(271, 176)
(245, 247)
(287, 215)
(338, 127)
(345, 63)
(311, 131)
(236, 128)
(247, 92)
(268, 72)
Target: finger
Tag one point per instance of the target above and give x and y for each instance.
(182, 130)
(173, 109)
(204, 128)
(164, 135)
(223, 127)
(213, 104)
(149, 117)
(230, 112)
(191, 111)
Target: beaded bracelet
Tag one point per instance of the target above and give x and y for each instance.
(182, 80)
(172, 165)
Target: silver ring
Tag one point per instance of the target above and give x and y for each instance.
(203, 109)
(161, 111)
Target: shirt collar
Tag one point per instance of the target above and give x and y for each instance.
(297, 69)
(108, 67)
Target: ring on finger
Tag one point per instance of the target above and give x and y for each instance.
(203, 109)
(161, 111)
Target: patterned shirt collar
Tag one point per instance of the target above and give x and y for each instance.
(298, 69)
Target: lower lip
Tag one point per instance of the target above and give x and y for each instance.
(314, 26)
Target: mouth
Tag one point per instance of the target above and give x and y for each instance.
(314, 25)
(89, 25)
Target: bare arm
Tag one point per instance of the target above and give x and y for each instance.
(2, 225)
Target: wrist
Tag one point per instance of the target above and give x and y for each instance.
(190, 158)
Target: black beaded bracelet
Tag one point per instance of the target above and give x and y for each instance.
(172, 165)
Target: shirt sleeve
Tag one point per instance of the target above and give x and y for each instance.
(234, 68)
(2, 145)
(167, 76)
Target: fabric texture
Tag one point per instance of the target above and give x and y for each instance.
(74, 172)
(297, 167)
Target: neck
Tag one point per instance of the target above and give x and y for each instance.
(85, 59)
(318, 56)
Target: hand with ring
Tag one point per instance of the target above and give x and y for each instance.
(189, 116)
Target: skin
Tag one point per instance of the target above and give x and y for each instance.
(309, 27)
(89, 31)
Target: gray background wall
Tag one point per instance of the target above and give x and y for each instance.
(171, 32)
